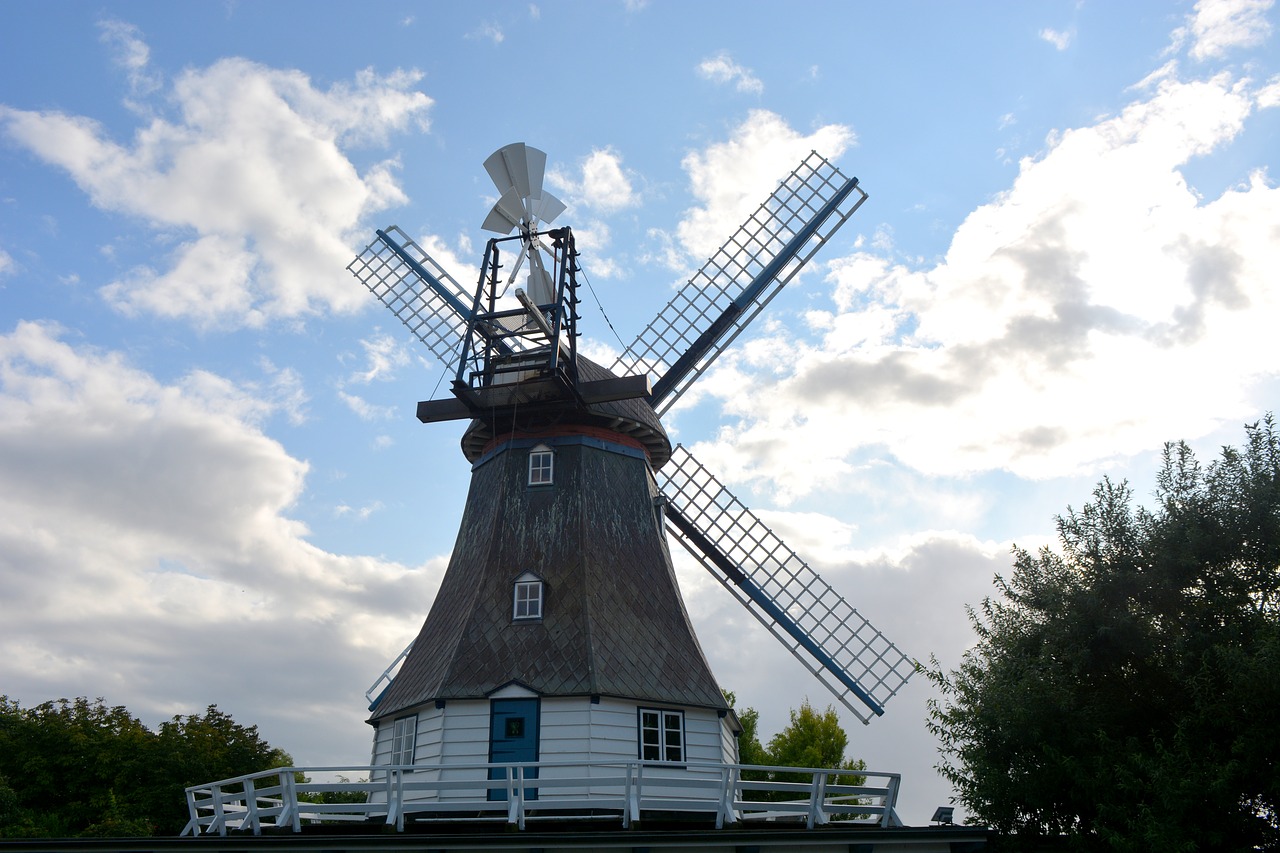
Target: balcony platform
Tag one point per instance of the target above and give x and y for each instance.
(550, 805)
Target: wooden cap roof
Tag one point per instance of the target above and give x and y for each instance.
(633, 417)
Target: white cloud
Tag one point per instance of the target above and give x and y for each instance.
(132, 54)
(1269, 95)
(722, 69)
(605, 185)
(365, 410)
(251, 179)
(1168, 71)
(730, 179)
(383, 356)
(1060, 39)
(6, 263)
(361, 513)
(287, 391)
(488, 31)
(145, 542)
(1092, 311)
(593, 239)
(664, 251)
(602, 183)
(1217, 26)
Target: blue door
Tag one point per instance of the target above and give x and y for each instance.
(513, 736)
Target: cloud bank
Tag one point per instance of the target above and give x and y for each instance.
(248, 185)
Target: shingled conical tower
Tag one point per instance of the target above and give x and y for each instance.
(560, 601)
(569, 509)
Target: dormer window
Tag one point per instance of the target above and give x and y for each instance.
(527, 598)
(542, 461)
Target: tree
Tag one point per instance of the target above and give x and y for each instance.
(810, 740)
(750, 751)
(198, 748)
(76, 767)
(1123, 691)
(64, 761)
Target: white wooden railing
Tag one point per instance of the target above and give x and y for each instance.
(529, 791)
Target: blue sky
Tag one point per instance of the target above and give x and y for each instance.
(212, 486)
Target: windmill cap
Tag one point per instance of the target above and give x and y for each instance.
(632, 422)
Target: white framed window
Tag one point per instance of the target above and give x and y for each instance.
(542, 466)
(527, 597)
(661, 735)
(402, 739)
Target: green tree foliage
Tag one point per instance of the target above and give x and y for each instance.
(811, 739)
(76, 767)
(1124, 692)
(750, 751)
(203, 748)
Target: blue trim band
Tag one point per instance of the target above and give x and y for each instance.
(561, 441)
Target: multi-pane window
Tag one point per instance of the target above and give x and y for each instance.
(661, 735)
(402, 736)
(542, 463)
(528, 598)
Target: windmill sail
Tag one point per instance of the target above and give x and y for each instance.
(417, 290)
(831, 638)
(740, 279)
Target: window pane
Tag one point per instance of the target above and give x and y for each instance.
(402, 738)
(540, 467)
(528, 600)
(661, 735)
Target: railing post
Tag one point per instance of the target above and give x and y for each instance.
(724, 789)
(193, 825)
(891, 802)
(251, 807)
(515, 812)
(627, 767)
(392, 811)
(401, 779)
(288, 802)
(219, 811)
(817, 796)
(637, 791)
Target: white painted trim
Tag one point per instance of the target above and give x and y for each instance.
(513, 691)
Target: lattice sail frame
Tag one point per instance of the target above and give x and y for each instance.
(398, 271)
(842, 635)
(708, 295)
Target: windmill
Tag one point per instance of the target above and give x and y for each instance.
(559, 628)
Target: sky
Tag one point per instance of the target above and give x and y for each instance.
(212, 485)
